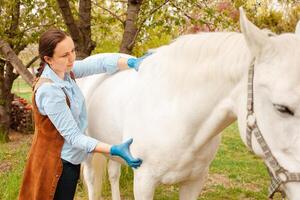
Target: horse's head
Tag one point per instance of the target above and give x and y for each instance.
(276, 87)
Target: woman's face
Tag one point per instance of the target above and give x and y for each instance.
(63, 57)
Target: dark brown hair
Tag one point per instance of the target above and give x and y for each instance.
(47, 44)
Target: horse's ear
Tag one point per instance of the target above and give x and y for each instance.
(255, 38)
(297, 31)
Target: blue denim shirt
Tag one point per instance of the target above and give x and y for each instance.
(71, 122)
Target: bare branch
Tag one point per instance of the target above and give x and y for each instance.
(185, 14)
(120, 1)
(113, 14)
(13, 59)
(15, 19)
(154, 10)
(2, 59)
(192, 18)
(145, 19)
(69, 19)
(32, 61)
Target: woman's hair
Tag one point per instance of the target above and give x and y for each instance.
(47, 44)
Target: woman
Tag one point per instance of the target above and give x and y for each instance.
(60, 144)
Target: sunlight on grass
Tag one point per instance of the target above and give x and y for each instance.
(22, 89)
(13, 159)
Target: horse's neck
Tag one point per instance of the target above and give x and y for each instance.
(205, 67)
(193, 93)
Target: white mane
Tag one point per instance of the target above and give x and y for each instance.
(196, 54)
(217, 55)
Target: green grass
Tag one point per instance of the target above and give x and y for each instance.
(12, 161)
(234, 174)
(22, 89)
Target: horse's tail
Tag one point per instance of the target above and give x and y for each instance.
(94, 171)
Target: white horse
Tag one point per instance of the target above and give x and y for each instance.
(184, 95)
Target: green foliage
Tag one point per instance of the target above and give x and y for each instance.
(35, 17)
(107, 30)
(278, 18)
(154, 38)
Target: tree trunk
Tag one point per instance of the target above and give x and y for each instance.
(3, 115)
(6, 80)
(84, 26)
(131, 29)
(7, 76)
(80, 31)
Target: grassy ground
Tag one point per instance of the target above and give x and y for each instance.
(22, 89)
(234, 174)
(12, 161)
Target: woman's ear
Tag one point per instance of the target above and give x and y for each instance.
(48, 60)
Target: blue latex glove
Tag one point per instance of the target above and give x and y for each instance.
(122, 150)
(135, 62)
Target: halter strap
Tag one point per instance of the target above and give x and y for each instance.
(278, 174)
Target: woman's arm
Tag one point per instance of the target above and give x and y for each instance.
(102, 148)
(51, 101)
(106, 63)
(100, 63)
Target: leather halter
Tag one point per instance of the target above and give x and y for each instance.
(278, 174)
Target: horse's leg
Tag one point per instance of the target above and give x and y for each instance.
(190, 190)
(114, 172)
(144, 186)
(93, 171)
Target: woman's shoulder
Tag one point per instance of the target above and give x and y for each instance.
(48, 89)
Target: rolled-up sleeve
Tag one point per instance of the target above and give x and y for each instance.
(51, 101)
(96, 64)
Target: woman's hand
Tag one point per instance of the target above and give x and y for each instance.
(135, 62)
(122, 150)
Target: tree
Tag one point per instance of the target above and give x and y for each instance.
(130, 29)
(128, 26)
(80, 29)
(135, 19)
(22, 23)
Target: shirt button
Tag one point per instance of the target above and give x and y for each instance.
(57, 176)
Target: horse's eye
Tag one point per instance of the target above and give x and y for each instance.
(283, 109)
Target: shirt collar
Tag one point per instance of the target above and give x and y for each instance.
(50, 74)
